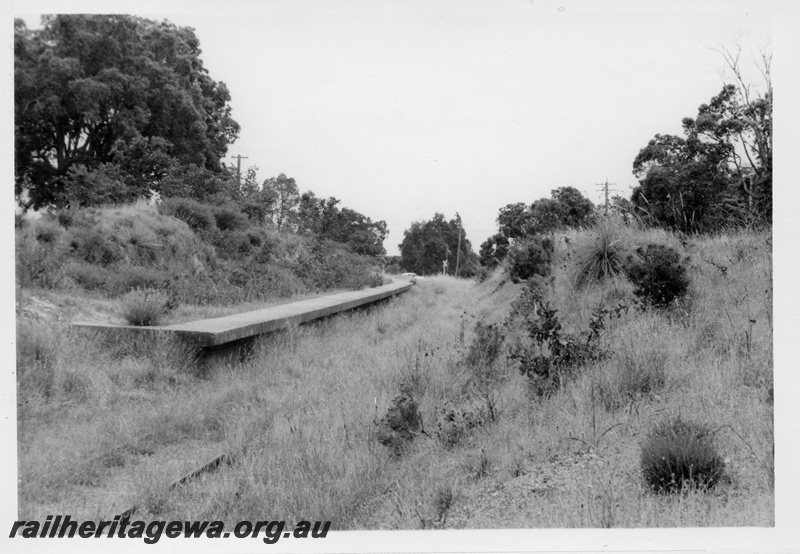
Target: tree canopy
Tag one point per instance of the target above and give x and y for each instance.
(566, 207)
(426, 244)
(324, 218)
(720, 172)
(93, 90)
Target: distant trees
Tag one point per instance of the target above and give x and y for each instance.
(113, 105)
(426, 244)
(566, 208)
(322, 217)
(720, 172)
(110, 107)
(286, 197)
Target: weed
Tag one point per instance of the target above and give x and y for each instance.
(678, 455)
(632, 373)
(658, 274)
(552, 354)
(485, 376)
(38, 347)
(479, 465)
(443, 499)
(455, 421)
(144, 307)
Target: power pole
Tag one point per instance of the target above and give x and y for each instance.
(605, 187)
(239, 167)
(458, 251)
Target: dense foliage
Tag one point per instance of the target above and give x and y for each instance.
(567, 208)
(429, 243)
(720, 173)
(109, 106)
(112, 108)
(659, 275)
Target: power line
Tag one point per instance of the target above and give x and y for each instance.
(605, 187)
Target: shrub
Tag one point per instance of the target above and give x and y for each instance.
(532, 257)
(87, 276)
(36, 263)
(678, 455)
(658, 275)
(601, 255)
(197, 216)
(47, 231)
(230, 218)
(93, 246)
(144, 307)
(144, 244)
(486, 377)
(396, 429)
(454, 422)
(233, 244)
(551, 355)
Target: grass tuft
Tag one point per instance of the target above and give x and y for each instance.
(679, 455)
(145, 307)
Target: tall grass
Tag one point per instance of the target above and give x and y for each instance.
(300, 416)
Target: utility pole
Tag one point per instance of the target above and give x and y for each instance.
(239, 167)
(605, 186)
(458, 251)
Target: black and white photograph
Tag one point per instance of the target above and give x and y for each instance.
(401, 276)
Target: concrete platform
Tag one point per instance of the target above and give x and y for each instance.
(228, 338)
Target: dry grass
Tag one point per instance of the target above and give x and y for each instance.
(300, 415)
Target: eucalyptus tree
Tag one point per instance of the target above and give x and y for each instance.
(96, 91)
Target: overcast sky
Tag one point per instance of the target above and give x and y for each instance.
(405, 109)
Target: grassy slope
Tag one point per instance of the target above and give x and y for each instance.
(302, 413)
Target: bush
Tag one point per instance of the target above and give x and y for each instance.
(38, 263)
(93, 246)
(233, 244)
(199, 217)
(658, 275)
(87, 276)
(485, 377)
(601, 255)
(144, 244)
(230, 218)
(532, 257)
(47, 231)
(678, 455)
(454, 422)
(397, 428)
(144, 307)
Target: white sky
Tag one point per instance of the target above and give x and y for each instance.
(404, 109)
